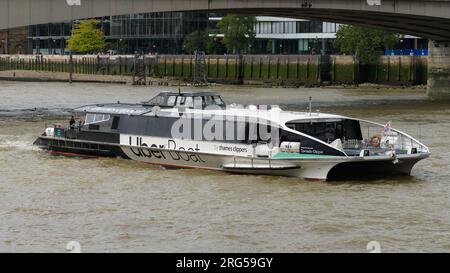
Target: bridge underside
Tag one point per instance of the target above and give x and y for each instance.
(421, 26)
(429, 19)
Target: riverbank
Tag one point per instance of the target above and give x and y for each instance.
(41, 76)
(271, 70)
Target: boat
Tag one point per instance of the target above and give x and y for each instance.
(199, 130)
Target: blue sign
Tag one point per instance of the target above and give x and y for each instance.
(407, 52)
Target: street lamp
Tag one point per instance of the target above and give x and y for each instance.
(63, 46)
(315, 45)
(119, 43)
(53, 47)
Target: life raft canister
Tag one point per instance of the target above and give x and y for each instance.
(375, 141)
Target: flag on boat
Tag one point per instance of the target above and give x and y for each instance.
(387, 128)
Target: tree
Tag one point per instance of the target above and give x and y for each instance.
(86, 37)
(238, 31)
(365, 43)
(202, 40)
(197, 40)
(215, 46)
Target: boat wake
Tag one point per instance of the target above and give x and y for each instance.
(9, 142)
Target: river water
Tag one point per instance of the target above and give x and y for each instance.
(113, 205)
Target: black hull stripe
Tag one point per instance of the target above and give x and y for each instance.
(81, 148)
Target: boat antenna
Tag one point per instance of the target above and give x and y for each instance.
(310, 106)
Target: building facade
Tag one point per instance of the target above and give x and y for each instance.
(164, 33)
(155, 32)
(14, 41)
(291, 36)
(150, 32)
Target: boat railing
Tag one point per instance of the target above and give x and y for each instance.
(377, 138)
(61, 131)
(250, 160)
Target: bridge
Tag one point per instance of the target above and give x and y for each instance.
(425, 18)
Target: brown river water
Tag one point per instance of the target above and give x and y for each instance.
(114, 205)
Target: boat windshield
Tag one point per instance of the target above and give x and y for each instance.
(186, 100)
(96, 118)
(329, 131)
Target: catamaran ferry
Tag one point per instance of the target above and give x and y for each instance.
(198, 130)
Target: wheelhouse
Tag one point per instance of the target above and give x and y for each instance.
(351, 136)
(186, 100)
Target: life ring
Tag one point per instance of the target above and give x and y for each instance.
(375, 141)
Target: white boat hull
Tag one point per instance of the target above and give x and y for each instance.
(309, 167)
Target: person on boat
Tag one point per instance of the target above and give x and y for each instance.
(72, 123)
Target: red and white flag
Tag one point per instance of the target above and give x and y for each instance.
(387, 128)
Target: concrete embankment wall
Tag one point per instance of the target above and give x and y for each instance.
(273, 69)
(409, 70)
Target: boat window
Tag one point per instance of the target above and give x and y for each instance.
(115, 123)
(320, 130)
(89, 119)
(198, 103)
(171, 100)
(218, 100)
(208, 100)
(157, 101)
(96, 118)
(286, 136)
(291, 126)
(351, 129)
(189, 102)
(306, 128)
(181, 101)
(329, 131)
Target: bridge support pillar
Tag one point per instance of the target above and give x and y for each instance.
(439, 70)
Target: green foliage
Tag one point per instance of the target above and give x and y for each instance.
(365, 43)
(197, 40)
(201, 40)
(238, 31)
(86, 37)
(215, 46)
